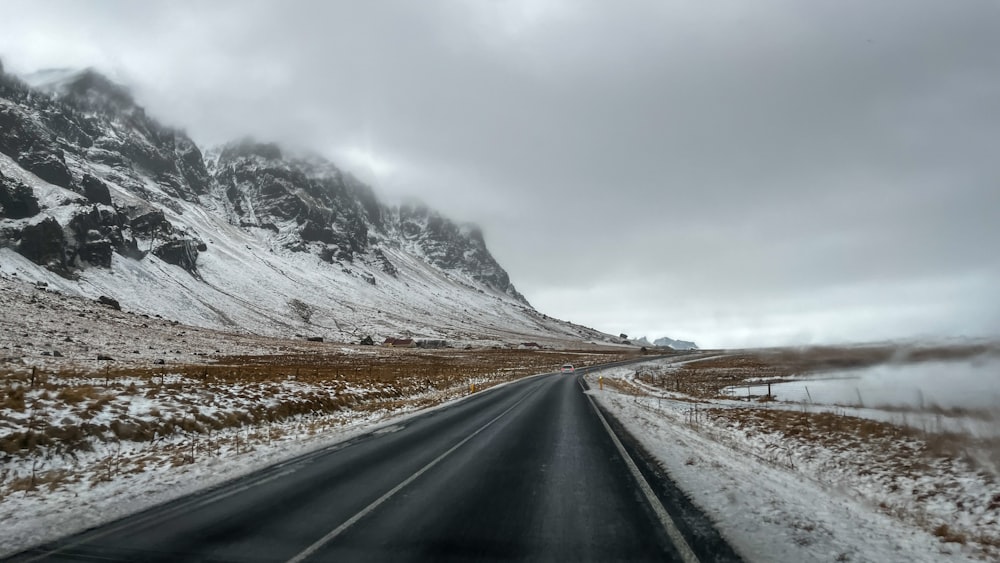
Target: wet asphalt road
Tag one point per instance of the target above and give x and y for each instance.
(523, 472)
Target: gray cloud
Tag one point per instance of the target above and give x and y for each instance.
(790, 172)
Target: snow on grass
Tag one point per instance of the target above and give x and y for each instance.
(115, 480)
(53, 494)
(81, 447)
(788, 484)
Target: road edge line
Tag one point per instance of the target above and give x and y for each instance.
(673, 532)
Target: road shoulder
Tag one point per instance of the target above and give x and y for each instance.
(765, 512)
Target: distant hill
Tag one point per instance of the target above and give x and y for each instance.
(675, 344)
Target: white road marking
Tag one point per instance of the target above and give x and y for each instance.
(683, 549)
(366, 510)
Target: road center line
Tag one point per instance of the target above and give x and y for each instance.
(683, 549)
(366, 510)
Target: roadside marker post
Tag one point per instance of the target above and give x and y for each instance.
(600, 382)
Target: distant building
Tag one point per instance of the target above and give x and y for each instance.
(531, 345)
(399, 343)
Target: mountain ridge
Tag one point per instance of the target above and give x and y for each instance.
(109, 200)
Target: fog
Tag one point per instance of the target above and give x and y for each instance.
(781, 173)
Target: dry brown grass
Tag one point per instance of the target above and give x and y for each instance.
(77, 394)
(396, 366)
(13, 398)
(325, 383)
(945, 533)
(705, 379)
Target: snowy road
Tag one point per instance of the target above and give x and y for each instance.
(525, 472)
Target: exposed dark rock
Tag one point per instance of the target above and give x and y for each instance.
(150, 223)
(110, 302)
(105, 358)
(451, 246)
(314, 338)
(57, 353)
(160, 361)
(95, 190)
(97, 233)
(315, 232)
(183, 253)
(96, 253)
(100, 120)
(367, 341)
(384, 263)
(43, 244)
(25, 137)
(49, 165)
(17, 201)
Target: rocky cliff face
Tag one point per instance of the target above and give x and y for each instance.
(79, 135)
(315, 207)
(90, 183)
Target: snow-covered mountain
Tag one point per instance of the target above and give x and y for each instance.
(665, 343)
(675, 344)
(97, 198)
(642, 342)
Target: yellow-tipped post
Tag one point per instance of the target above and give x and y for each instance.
(600, 382)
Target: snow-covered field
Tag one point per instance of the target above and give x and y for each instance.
(121, 478)
(179, 408)
(81, 450)
(811, 483)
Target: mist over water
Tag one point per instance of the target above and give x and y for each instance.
(967, 384)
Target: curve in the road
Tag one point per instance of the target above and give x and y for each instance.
(529, 471)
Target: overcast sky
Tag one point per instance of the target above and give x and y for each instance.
(736, 173)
